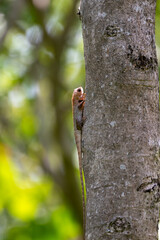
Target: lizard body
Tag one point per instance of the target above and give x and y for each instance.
(78, 101)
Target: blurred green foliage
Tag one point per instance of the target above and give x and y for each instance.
(41, 62)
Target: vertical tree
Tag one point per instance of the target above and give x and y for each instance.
(120, 136)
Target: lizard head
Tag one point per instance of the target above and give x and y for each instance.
(78, 95)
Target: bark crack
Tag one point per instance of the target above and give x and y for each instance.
(149, 186)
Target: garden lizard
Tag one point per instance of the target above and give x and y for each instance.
(78, 101)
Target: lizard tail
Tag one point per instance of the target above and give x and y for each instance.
(78, 143)
(83, 203)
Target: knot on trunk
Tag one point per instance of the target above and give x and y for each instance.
(139, 60)
(111, 31)
(119, 225)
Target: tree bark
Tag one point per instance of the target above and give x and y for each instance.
(120, 135)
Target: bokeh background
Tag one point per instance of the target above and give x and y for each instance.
(41, 62)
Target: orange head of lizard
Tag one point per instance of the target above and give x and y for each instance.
(78, 95)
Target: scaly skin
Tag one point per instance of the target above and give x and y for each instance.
(78, 101)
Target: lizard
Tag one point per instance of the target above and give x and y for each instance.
(78, 101)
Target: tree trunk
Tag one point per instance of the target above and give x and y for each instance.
(120, 135)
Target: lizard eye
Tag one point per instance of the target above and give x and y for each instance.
(79, 90)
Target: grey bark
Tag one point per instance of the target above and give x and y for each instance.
(120, 135)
